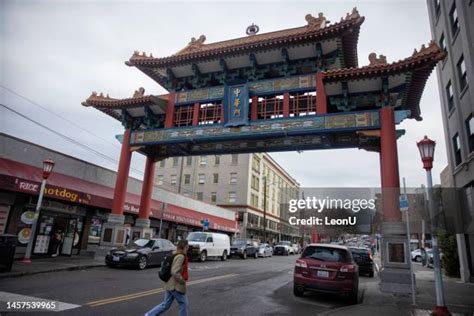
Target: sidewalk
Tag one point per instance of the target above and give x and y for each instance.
(458, 297)
(44, 265)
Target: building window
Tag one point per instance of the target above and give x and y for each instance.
(235, 159)
(470, 132)
(457, 150)
(162, 163)
(201, 178)
(449, 95)
(256, 164)
(215, 177)
(175, 161)
(189, 161)
(199, 196)
(233, 178)
(159, 179)
(442, 43)
(255, 182)
(232, 197)
(173, 179)
(217, 160)
(203, 161)
(453, 18)
(187, 179)
(462, 73)
(214, 197)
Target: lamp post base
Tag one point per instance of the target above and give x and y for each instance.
(440, 311)
(142, 229)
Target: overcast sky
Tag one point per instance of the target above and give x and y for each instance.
(54, 53)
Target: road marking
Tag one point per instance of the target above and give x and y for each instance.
(151, 292)
(12, 297)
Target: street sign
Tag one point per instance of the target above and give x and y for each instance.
(403, 203)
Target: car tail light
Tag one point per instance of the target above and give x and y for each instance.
(301, 264)
(348, 268)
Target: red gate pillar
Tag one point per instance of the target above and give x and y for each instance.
(142, 223)
(389, 168)
(114, 232)
(395, 275)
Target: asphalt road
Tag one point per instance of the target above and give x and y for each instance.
(235, 287)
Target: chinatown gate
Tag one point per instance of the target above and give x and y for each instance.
(288, 90)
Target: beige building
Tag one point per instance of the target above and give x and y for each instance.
(237, 182)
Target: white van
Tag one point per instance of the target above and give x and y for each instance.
(203, 245)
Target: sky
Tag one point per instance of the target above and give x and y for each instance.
(55, 53)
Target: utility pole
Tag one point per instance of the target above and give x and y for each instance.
(264, 209)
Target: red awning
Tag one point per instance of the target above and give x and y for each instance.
(19, 177)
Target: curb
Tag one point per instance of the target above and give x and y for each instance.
(81, 267)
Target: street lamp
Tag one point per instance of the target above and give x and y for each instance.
(427, 148)
(48, 166)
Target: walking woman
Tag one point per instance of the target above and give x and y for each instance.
(176, 285)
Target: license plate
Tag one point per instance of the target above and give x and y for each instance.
(115, 258)
(323, 274)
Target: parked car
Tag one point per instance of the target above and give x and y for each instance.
(327, 268)
(363, 257)
(140, 254)
(417, 255)
(429, 258)
(265, 250)
(203, 245)
(284, 248)
(297, 248)
(244, 248)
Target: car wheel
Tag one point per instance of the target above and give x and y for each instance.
(244, 255)
(298, 291)
(256, 255)
(203, 256)
(142, 262)
(224, 256)
(354, 298)
(287, 253)
(418, 259)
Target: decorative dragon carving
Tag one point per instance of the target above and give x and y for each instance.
(316, 23)
(374, 61)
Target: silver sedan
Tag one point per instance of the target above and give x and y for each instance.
(265, 250)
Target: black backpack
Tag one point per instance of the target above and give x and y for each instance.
(165, 270)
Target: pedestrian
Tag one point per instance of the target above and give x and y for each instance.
(176, 286)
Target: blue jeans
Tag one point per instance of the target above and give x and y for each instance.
(166, 304)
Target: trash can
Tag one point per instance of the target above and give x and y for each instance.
(7, 251)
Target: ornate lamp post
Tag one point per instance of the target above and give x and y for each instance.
(427, 148)
(48, 166)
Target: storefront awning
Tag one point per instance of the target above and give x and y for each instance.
(19, 177)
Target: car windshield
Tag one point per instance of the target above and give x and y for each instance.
(144, 243)
(326, 254)
(239, 243)
(359, 251)
(262, 245)
(284, 243)
(199, 237)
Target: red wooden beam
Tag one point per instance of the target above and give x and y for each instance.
(253, 108)
(286, 104)
(196, 114)
(169, 118)
(321, 99)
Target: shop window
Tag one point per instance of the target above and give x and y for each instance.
(159, 179)
(214, 197)
(457, 150)
(462, 73)
(201, 178)
(217, 160)
(187, 179)
(470, 132)
(233, 178)
(199, 196)
(215, 177)
(442, 43)
(189, 161)
(235, 159)
(173, 179)
(232, 197)
(453, 18)
(449, 95)
(95, 229)
(175, 161)
(203, 161)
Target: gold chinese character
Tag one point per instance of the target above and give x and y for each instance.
(237, 112)
(237, 103)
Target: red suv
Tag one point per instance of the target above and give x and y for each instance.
(328, 269)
